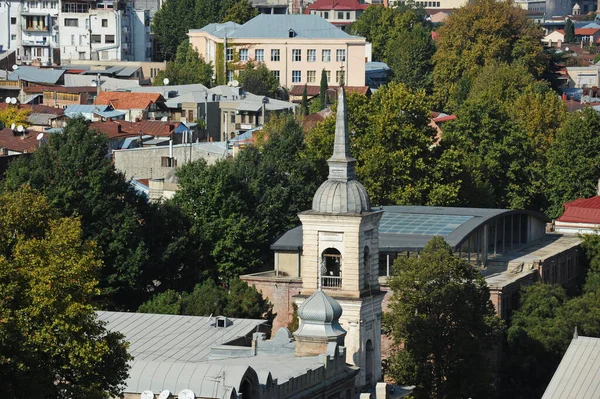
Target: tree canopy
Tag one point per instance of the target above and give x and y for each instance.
(142, 244)
(240, 12)
(238, 206)
(14, 114)
(51, 344)
(481, 32)
(442, 317)
(188, 67)
(257, 79)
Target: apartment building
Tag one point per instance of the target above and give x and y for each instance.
(30, 28)
(48, 32)
(295, 48)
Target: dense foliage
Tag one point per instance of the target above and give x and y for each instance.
(142, 244)
(14, 114)
(481, 32)
(257, 79)
(240, 12)
(51, 345)
(206, 299)
(188, 67)
(238, 206)
(442, 323)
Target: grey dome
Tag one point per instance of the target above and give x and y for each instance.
(339, 196)
(319, 316)
(320, 308)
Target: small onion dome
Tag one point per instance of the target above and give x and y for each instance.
(319, 316)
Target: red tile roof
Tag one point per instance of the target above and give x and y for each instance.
(444, 118)
(127, 100)
(582, 210)
(116, 129)
(59, 89)
(336, 5)
(19, 143)
(586, 31)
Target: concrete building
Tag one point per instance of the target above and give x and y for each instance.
(136, 106)
(294, 47)
(272, 6)
(432, 4)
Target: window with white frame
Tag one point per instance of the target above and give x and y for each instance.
(296, 55)
(311, 76)
(339, 77)
(275, 55)
(229, 76)
(276, 74)
(328, 74)
(229, 56)
(340, 55)
(259, 55)
(311, 55)
(326, 55)
(244, 54)
(296, 76)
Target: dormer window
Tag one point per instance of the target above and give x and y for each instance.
(291, 33)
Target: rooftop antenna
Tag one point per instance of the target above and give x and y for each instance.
(165, 83)
(13, 100)
(21, 129)
(7, 100)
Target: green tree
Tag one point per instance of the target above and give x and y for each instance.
(391, 142)
(187, 68)
(257, 79)
(323, 86)
(304, 104)
(14, 114)
(240, 12)
(409, 55)
(569, 31)
(440, 312)
(206, 299)
(240, 205)
(141, 243)
(479, 33)
(51, 344)
(504, 146)
(573, 160)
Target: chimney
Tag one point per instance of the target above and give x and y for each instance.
(118, 128)
(168, 128)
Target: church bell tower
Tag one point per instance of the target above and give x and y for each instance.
(340, 237)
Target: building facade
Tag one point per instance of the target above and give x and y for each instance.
(295, 48)
(339, 13)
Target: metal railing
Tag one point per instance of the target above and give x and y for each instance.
(331, 281)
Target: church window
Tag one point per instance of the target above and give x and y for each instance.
(331, 268)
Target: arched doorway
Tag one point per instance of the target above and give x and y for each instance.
(246, 390)
(331, 268)
(369, 366)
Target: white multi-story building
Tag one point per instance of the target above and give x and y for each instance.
(50, 31)
(30, 28)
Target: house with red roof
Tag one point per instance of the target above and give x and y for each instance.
(137, 106)
(581, 216)
(338, 12)
(585, 35)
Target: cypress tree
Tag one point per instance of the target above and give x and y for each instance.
(323, 89)
(305, 101)
(569, 31)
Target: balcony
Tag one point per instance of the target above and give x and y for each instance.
(36, 43)
(332, 282)
(244, 126)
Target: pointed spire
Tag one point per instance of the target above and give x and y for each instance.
(341, 164)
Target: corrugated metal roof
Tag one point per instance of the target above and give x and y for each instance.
(277, 26)
(157, 337)
(219, 30)
(37, 75)
(110, 114)
(578, 374)
(128, 71)
(85, 109)
(582, 210)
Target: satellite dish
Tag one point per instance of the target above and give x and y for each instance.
(164, 394)
(15, 67)
(20, 129)
(12, 127)
(7, 100)
(164, 119)
(186, 394)
(566, 49)
(147, 395)
(235, 83)
(40, 137)
(166, 81)
(13, 101)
